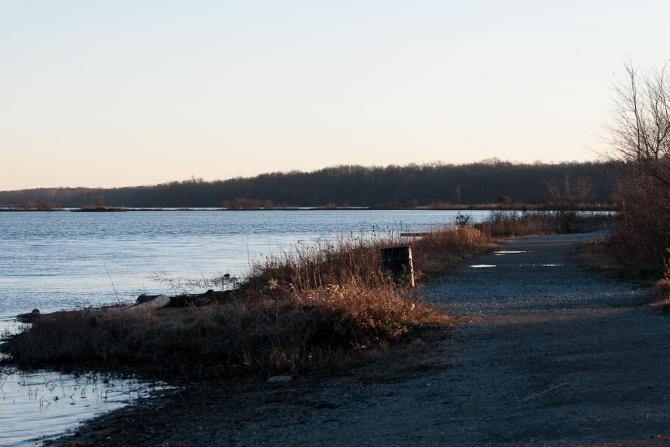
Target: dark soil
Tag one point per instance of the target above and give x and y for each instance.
(551, 355)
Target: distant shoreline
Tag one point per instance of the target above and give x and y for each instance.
(455, 207)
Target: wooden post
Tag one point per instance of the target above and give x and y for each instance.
(398, 260)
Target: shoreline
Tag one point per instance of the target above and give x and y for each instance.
(430, 378)
(372, 355)
(475, 207)
(328, 281)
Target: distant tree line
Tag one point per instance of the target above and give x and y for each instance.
(390, 186)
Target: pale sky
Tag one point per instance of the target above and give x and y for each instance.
(127, 92)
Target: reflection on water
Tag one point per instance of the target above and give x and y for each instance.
(39, 405)
(59, 260)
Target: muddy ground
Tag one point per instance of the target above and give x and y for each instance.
(550, 354)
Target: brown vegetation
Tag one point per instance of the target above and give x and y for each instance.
(506, 224)
(298, 332)
(662, 288)
(248, 204)
(311, 309)
(33, 206)
(641, 137)
(601, 257)
(640, 246)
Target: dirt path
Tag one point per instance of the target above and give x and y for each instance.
(553, 355)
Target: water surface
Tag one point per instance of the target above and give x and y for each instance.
(62, 260)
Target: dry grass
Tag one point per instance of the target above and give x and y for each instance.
(597, 256)
(662, 288)
(356, 261)
(602, 257)
(298, 333)
(508, 224)
(642, 238)
(439, 251)
(312, 309)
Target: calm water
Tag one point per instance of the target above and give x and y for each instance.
(62, 260)
(37, 406)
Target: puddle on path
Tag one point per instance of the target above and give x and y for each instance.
(490, 266)
(541, 265)
(509, 252)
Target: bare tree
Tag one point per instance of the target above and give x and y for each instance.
(565, 197)
(641, 129)
(641, 137)
(569, 192)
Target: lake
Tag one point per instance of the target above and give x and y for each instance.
(62, 260)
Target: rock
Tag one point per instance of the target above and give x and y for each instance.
(189, 299)
(29, 317)
(157, 302)
(144, 298)
(186, 300)
(280, 379)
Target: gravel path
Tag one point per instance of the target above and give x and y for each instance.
(552, 355)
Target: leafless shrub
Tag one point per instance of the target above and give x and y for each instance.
(641, 137)
(515, 223)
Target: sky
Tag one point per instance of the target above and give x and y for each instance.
(128, 92)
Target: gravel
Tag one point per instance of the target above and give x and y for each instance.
(550, 354)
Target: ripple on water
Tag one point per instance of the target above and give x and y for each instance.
(40, 405)
(54, 261)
